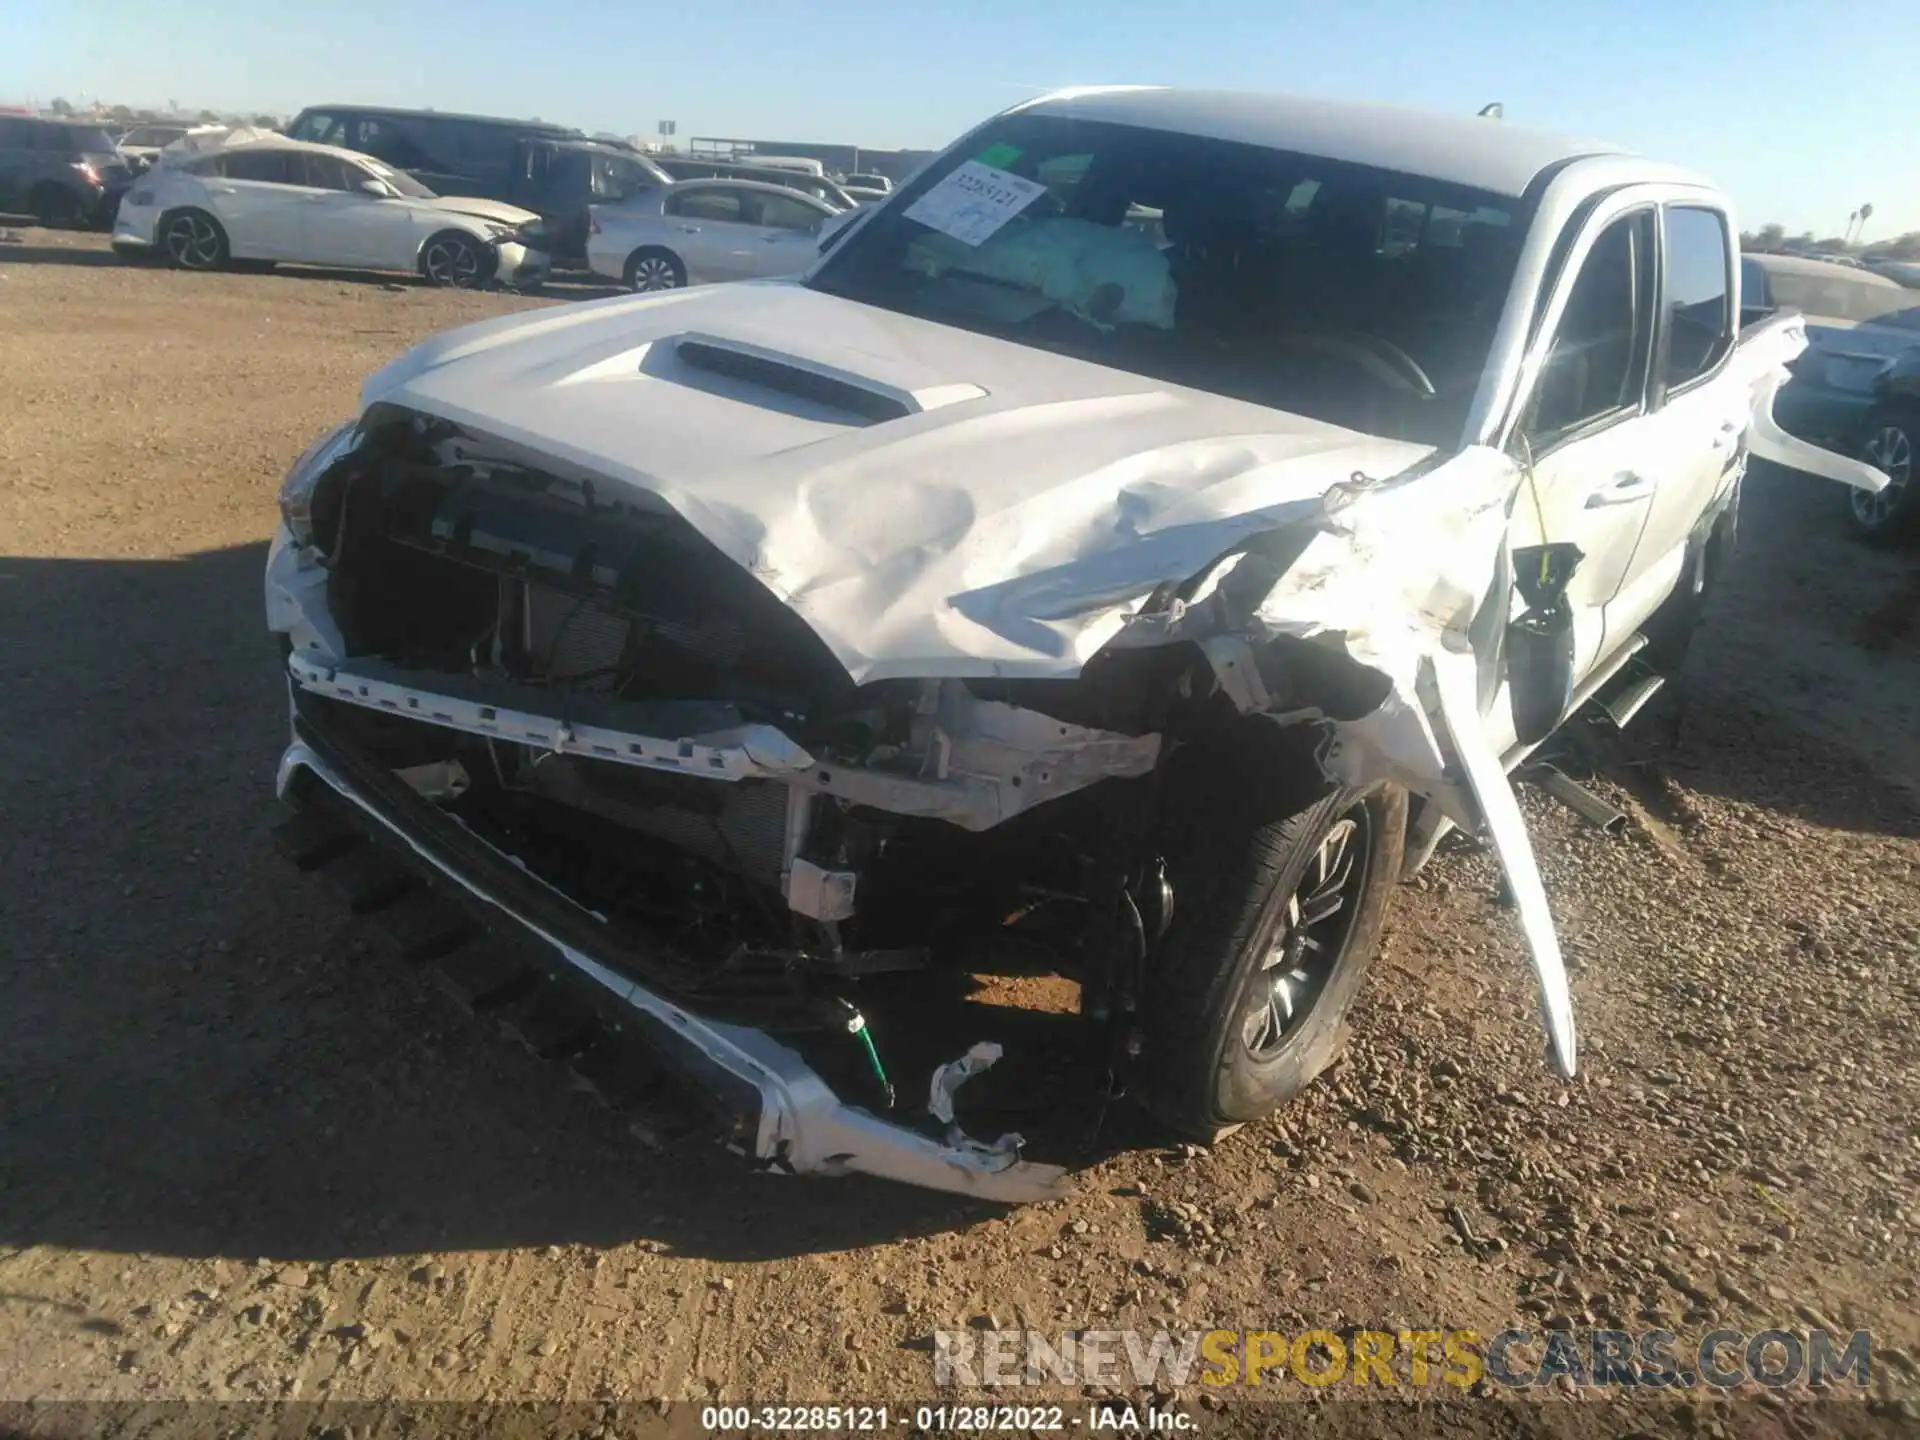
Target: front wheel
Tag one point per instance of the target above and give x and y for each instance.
(1890, 514)
(193, 240)
(655, 269)
(456, 261)
(1248, 995)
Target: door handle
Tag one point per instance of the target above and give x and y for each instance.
(1724, 437)
(1625, 488)
(220, 189)
(688, 229)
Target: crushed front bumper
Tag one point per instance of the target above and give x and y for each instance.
(521, 266)
(790, 1119)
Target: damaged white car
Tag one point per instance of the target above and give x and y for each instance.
(1152, 598)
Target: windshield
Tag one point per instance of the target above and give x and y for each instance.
(399, 180)
(1845, 297)
(154, 135)
(1290, 280)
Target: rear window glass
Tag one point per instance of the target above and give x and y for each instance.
(268, 167)
(708, 202)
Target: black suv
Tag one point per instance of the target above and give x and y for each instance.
(61, 172)
(552, 170)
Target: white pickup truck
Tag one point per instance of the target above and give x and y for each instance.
(1133, 544)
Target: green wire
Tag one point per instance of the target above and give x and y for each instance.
(858, 1025)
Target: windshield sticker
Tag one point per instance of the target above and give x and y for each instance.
(973, 202)
(999, 156)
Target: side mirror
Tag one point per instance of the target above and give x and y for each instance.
(379, 189)
(1540, 640)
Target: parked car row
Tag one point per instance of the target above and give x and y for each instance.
(67, 173)
(281, 199)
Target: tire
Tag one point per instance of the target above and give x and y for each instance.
(1892, 443)
(192, 240)
(56, 207)
(455, 260)
(1246, 998)
(652, 268)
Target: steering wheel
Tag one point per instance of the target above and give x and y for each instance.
(1382, 359)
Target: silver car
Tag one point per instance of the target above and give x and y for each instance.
(1858, 323)
(696, 232)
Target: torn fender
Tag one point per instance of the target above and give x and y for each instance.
(1451, 678)
(1764, 353)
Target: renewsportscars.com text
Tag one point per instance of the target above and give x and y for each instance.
(1463, 1359)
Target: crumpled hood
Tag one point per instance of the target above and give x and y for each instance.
(498, 210)
(993, 523)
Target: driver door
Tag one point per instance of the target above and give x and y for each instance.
(344, 225)
(1591, 453)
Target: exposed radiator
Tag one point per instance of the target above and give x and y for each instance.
(568, 638)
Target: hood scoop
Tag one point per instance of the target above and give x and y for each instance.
(869, 401)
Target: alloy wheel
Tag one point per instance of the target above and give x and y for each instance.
(1312, 935)
(654, 272)
(193, 242)
(450, 261)
(1889, 449)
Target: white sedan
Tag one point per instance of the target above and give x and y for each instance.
(278, 199)
(696, 231)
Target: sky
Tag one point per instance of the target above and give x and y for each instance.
(1801, 110)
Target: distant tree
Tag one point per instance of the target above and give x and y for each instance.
(209, 117)
(120, 115)
(1833, 244)
(61, 106)
(266, 122)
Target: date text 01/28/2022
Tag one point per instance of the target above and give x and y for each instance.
(1023, 1419)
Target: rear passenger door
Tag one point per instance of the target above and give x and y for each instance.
(1699, 412)
(1590, 451)
(256, 203)
(15, 156)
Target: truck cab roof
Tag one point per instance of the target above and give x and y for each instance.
(1483, 153)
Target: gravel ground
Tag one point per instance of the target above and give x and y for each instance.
(245, 1156)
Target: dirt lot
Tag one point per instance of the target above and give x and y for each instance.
(245, 1155)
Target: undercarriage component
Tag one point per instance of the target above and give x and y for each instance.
(1576, 797)
(787, 1116)
(1632, 699)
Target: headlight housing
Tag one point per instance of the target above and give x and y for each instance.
(297, 490)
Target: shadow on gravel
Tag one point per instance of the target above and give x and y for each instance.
(203, 1054)
(57, 255)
